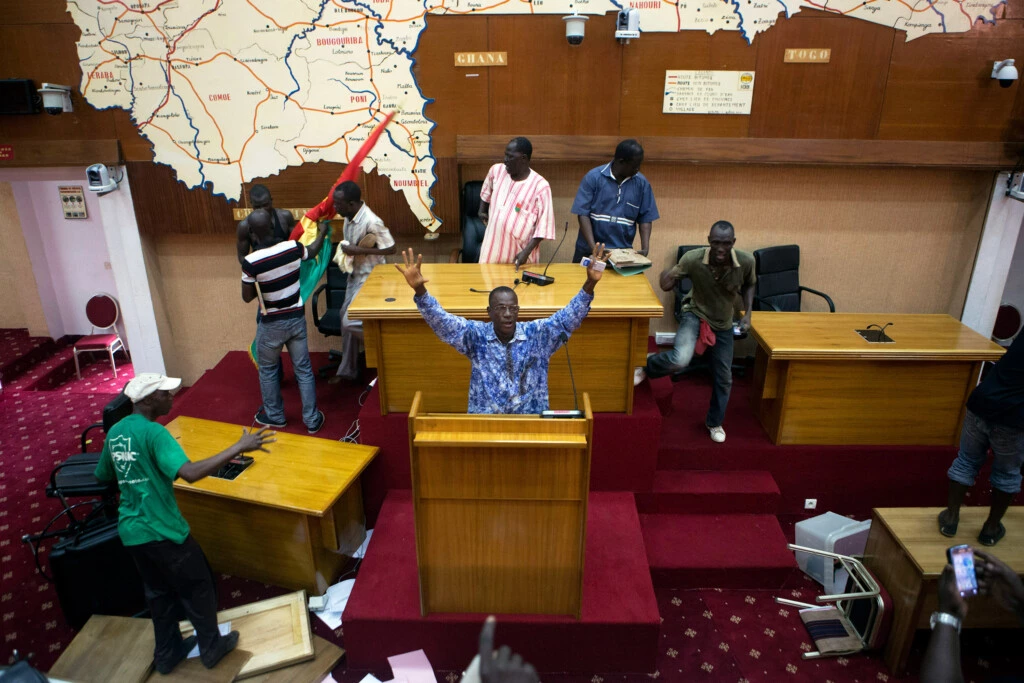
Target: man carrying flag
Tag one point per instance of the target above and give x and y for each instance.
(306, 231)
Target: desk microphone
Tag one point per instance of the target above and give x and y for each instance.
(543, 279)
(577, 413)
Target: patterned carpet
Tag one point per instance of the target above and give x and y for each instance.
(738, 636)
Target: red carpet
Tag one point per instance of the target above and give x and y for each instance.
(724, 551)
(230, 392)
(618, 627)
(844, 479)
(714, 634)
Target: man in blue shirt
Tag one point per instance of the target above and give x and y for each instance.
(612, 200)
(509, 358)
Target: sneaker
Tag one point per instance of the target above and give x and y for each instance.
(639, 375)
(318, 424)
(262, 419)
(225, 644)
(165, 668)
(717, 434)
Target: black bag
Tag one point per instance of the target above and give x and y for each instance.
(94, 574)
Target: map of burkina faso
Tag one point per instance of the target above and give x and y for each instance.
(231, 90)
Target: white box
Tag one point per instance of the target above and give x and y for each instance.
(835, 534)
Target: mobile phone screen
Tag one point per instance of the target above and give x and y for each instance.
(962, 558)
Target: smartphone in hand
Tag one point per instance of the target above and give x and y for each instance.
(962, 559)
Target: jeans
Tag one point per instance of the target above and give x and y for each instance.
(1007, 445)
(351, 330)
(280, 362)
(719, 358)
(177, 577)
(271, 335)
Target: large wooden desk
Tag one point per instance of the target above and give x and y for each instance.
(409, 357)
(291, 519)
(906, 553)
(816, 381)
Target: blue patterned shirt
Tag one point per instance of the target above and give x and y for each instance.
(507, 378)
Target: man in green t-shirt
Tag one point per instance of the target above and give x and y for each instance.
(721, 276)
(145, 459)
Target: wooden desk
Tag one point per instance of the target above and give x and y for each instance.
(290, 519)
(409, 357)
(906, 553)
(816, 381)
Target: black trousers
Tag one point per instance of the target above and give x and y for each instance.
(177, 581)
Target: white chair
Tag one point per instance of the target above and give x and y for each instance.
(103, 313)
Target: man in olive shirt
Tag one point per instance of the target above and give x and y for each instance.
(145, 459)
(719, 274)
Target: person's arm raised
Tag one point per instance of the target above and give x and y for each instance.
(411, 271)
(594, 272)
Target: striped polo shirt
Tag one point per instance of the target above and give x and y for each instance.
(276, 269)
(519, 211)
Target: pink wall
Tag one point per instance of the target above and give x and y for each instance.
(70, 258)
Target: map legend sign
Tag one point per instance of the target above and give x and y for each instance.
(708, 92)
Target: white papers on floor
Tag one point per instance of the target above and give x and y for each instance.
(361, 552)
(337, 597)
(412, 667)
(225, 629)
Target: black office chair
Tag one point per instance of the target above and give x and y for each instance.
(329, 324)
(74, 478)
(682, 289)
(778, 280)
(473, 228)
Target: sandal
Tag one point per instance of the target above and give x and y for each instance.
(946, 529)
(987, 539)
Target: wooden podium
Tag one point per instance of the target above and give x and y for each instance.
(501, 510)
(612, 339)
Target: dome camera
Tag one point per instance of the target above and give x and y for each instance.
(1005, 72)
(56, 98)
(575, 26)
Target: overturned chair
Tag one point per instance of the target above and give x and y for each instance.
(845, 623)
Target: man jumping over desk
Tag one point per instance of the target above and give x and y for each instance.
(509, 358)
(720, 274)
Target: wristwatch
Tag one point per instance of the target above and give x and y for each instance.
(944, 618)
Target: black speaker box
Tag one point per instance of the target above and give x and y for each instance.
(94, 574)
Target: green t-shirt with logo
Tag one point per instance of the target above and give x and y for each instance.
(145, 459)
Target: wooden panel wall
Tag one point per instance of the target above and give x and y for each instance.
(877, 86)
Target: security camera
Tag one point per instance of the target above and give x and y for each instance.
(1005, 72)
(56, 98)
(100, 180)
(627, 25)
(575, 25)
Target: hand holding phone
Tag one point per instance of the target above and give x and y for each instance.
(962, 559)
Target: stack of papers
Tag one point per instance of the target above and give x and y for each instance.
(627, 261)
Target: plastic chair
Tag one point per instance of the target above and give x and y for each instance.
(103, 313)
(863, 612)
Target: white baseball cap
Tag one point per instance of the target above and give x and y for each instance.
(146, 383)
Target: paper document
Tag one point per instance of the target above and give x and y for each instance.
(337, 598)
(414, 667)
(224, 628)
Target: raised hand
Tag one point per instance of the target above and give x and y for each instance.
(502, 666)
(411, 271)
(593, 272)
(255, 441)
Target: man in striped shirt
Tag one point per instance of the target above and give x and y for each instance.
(515, 203)
(271, 273)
